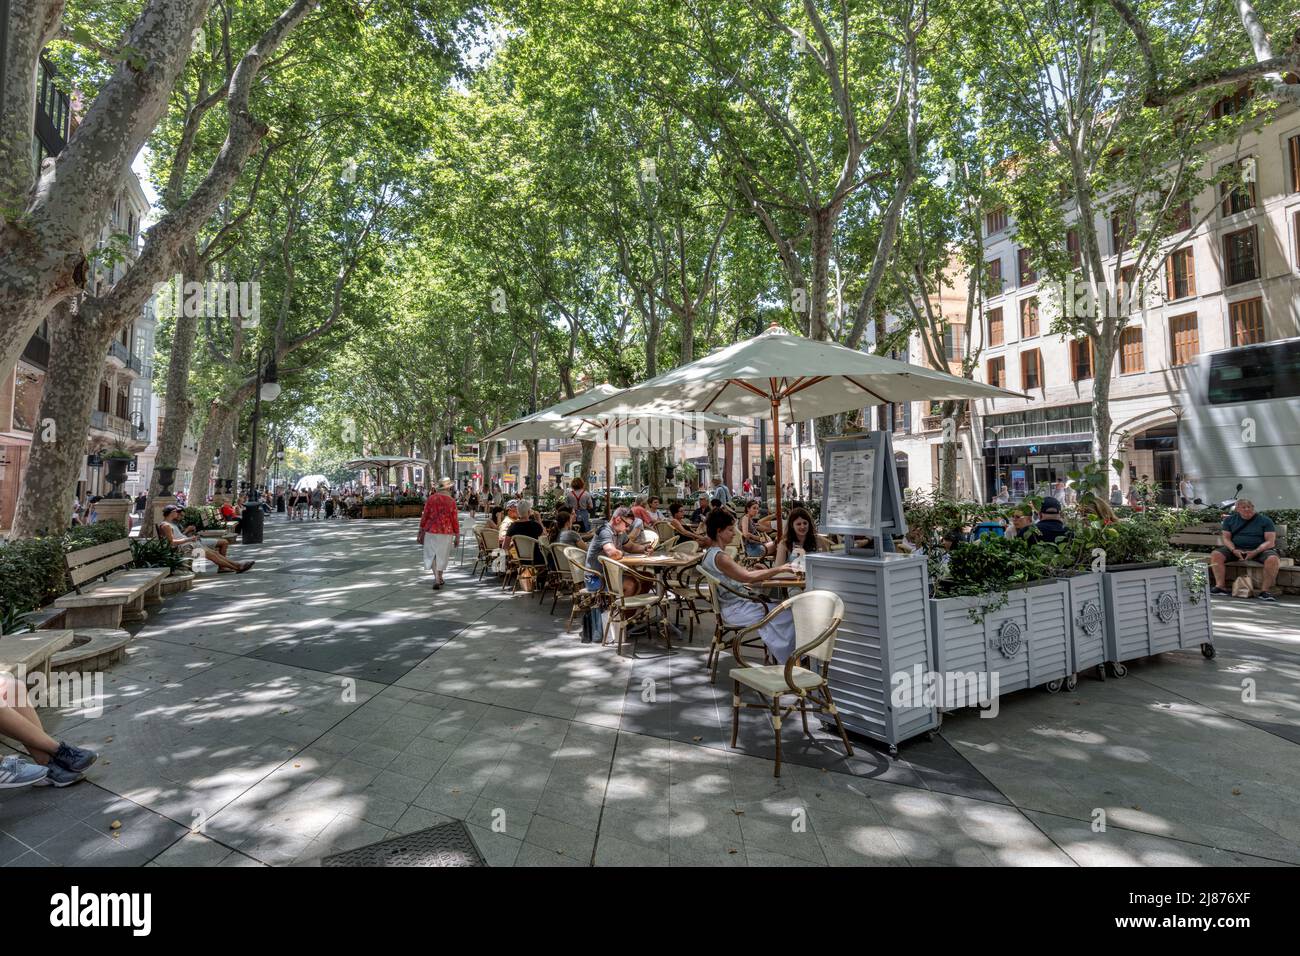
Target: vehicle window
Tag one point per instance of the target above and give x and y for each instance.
(1255, 374)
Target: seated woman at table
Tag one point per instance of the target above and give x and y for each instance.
(800, 532)
(675, 519)
(493, 522)
(564, 533)
(751, 533)
(737, 604)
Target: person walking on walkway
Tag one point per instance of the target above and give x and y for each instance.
(578, 500)
(439, 526)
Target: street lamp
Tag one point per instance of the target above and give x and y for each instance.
(268, 389)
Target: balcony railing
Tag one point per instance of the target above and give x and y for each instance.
(118, 427)
(120, 352)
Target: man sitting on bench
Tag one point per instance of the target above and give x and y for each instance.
(179, 539)
(1248, 535)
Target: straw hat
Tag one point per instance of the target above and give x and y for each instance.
(444, 483)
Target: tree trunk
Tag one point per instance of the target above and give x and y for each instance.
(209, 443)
(1102, 358)
(43, 261)
(656, 468)
(588, 457)
(177, 407)
(822, 238)
(948, 465)
(76, 345)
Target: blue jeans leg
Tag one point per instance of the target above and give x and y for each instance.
(593, 625)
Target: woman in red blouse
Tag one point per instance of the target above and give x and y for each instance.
(439, 525)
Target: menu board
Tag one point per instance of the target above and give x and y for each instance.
(850, 488)
(861, 494)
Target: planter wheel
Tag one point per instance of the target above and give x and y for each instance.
(1072, 682)
(1117, 669)
(1054, 686)
(930, 735)
(1101, 672)
(1208, 650)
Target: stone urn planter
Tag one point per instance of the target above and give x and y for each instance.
(166, 477)
(115, 475)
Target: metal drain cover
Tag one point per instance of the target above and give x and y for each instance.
(448, 844)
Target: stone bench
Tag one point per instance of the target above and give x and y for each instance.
(106, 589)
(20, 654)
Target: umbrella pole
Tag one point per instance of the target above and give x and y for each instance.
(776, 458)
(607, 483)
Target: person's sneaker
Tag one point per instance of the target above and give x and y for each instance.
(57, 776)
(15, 772)
(1217, 590)
(1265, 596)
(247, 565)
(76, 759)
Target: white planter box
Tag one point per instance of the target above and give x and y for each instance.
(1088, 622)
(1151, 611)
(885, 632)
(1025, 643)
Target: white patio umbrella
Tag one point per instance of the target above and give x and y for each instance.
(782, 374)
(632, 426)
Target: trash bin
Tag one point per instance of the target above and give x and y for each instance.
(251, 523)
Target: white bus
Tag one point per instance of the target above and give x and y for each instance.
(1241, 424)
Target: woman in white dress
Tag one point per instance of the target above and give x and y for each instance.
(737, 605)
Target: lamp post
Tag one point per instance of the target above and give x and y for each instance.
(268, 388)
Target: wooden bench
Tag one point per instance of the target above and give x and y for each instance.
(21, 654)
(106, 589)
(1210, 536)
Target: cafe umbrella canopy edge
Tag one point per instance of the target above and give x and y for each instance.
(383, 463)
(778, 371)
(559, 421)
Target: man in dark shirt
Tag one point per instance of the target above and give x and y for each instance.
(1050, 526)
(528, 526)
(1248, 535)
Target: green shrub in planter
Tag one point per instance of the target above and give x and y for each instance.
(87, 536)
(156, 553)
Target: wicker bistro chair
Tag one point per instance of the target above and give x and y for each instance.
(723, 633)
(583, 600)
(483, 555)
(562, 581)
(525, 555)
(490, 545)
(687, 589)
(664, 530)
(666, 545)
(817, 616)
(639, 608)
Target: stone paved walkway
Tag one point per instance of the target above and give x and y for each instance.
(328, 699)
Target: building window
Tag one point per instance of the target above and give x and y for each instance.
(998, 372)
(1072, 246)
(1031, 370)
(1238, 195)
(1184, 339)
(1180, 274)
(996, 221)
(1233, 103)
(1081, 359)
(995, 276)
(1130, 351)
(1181, 219)
(954, 342)
(1240, 256)
(1247, 320)
(1029, 318)
(1293, 149)
(1027, 272)
(995, 326)
(1127, 289)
